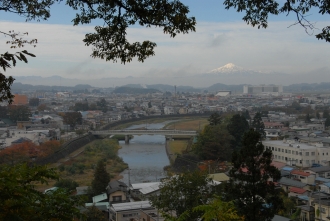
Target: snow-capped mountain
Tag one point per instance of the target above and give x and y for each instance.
(228, 68)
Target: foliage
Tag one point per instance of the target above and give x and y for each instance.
(258, 124)
(237, 126)
(25, 151)
(8, 60)
(93, 214)
(326, 114)
(307, 118)
(101, 178)
(103, 105)
(19, 113)
(182, 193)
(42, 107)
(214, 143)
(327, 122)
(289, 205)
(109, 40)
(255, 195)
(257, 13)
(72, 118)
(34, 101)
(21, 201)
(67, 184)
(216, 210)
(81, 106)
(246, 114)
(214, 119)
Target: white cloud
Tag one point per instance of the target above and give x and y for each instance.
(60, 50)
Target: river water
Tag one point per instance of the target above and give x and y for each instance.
(145, 155)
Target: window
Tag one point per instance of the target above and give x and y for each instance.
(272, 148)
(275, 148)
(282, 158)
(313, 153)
(307, 162)
(323, 154)
(130, 214)
(282, 150)
(297, 152)
(300, 153)
(289, 151)
(307, 153)
(279, 149)
(116, 198)
(286, 151)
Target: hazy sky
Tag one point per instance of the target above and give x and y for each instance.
(221, 37)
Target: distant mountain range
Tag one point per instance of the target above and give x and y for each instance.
(143, 89)
(228, 77)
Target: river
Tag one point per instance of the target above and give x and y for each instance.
(145, 155)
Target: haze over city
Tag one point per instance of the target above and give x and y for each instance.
(221, 37)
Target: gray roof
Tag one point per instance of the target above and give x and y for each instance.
(116, 185)
(289, 182)
(131, 206)
(306, 208)
(280, 218)
(320, 169)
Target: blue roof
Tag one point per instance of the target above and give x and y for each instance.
(326, 184)
(321, 179)
(287, 168)
(303, 197)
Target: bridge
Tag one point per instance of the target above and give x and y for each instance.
(144, 132)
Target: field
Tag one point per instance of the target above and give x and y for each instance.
(79, 165)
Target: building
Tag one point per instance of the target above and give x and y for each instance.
(20, 99)
(298, 154)
(263, 89)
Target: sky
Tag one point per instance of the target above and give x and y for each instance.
(221, 37)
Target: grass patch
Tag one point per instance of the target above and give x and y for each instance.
(188, 124)
(178, 146)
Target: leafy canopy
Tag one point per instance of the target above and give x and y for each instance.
(109, 41)
(257, 12)
(19, 200)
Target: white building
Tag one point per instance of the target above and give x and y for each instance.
(263, 89)
(299, 154)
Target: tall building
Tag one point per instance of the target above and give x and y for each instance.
(263, 89)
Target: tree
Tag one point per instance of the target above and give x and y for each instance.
(15, 154)
(49, 147)
(19, 200)
(237, 126)
(94, 214)
(246, 114)
(182, 193)
(214, 119)
(327, 122)
(103, 105)
(101, 178)
(72, 118)
(19, 113)
(251, 180)
(257, 13)
(67, 184)
(42, 107)
(34, 102)
(8, 60)
(81, 106)
(109, 41)
(214, 143)
(216, 210)
(258, 124)
(326, 114)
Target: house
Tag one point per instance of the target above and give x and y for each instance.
(323, 172)
(303, 177)
(287, 183)
(128, 211)
(117, 192)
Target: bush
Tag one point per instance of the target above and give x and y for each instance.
(67, 184)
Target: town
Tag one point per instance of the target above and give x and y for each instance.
(294, 125)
